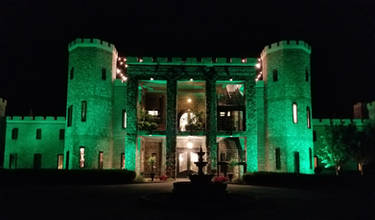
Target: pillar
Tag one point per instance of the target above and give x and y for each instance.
(251, 126)
(211, 122)
(171, 128)
(131, 124)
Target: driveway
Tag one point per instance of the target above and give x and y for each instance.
(155, 201)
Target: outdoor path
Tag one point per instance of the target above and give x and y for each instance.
(155, 201)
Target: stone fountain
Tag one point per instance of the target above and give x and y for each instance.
(200, 184)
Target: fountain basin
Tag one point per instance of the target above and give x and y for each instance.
(191, 189)
(201, 179)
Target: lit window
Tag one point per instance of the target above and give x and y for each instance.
(14, 133)
(275, 75)
(83, 110)
(228, 113)
(153, 112)
(122, 162)
(81, 157)
(295, 117)
(70, 115)
(60, 160)
(308, 117)
(315, 161)
(278, 161)
(38, 133)
(123, 119)
(222, 114)
(100, 162)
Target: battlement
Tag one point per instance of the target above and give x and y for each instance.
(35, 119)
(335, 121)
(92, 42)
(192, 61)
(286, 44)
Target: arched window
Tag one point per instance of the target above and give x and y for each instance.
(275, 76)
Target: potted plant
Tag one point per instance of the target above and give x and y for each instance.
(151, 161)
(147, 122)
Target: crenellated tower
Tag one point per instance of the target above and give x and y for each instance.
(287, 107)
(88, 136)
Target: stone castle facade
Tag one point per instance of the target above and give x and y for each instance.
(151, 114)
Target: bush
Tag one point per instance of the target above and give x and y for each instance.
(163, 178)
(220, 179)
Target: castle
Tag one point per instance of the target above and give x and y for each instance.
(151, 114)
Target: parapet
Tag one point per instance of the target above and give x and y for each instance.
(192, 61)
(92, 42)
(47, 119)
(286, 44)
(335, 121)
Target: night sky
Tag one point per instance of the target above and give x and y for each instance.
(34, 36)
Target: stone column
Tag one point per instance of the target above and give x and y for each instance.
(251, 126)
(171, 128)
(211, 123)
(131, 124)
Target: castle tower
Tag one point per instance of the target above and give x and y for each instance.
(288, 127)
(88, 136)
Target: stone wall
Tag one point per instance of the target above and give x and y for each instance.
(25, 144)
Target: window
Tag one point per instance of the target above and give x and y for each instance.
(310, 157)
(83, 110)
(71, 73)
(315, 161)
(67, 160)
(153, 112)
(296, 162)
(61, 134)
(60, 160)
(100, 160)
(38, 133)
(308, 117)
(306, 76)
(70, 115)
(12, 161)
(81, 157)
(123, 119)
(222, 114)
(278, 161)
(104, 74)
(37, 161)
(314, 136)
(14, 133)
(122, 162)
(275, 76)
(295, 117)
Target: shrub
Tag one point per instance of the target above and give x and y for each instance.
(163, 178)
(220, 179)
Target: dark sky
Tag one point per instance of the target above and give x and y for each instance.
(34, 37)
